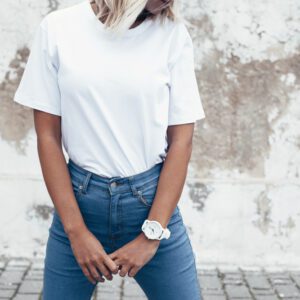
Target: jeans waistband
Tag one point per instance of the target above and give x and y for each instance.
(118, 182)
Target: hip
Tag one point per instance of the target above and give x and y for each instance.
(113, 208)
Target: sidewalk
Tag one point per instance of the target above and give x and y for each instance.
(21, 279)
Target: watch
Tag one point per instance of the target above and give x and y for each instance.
(154, 231)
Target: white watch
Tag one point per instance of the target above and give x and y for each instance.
(154, 231)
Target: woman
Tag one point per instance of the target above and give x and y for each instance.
(115, 81)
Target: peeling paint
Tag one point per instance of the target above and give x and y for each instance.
(285, 229)
(247, 58)
(238, 98)
(39, 211)
(198, 194)
(263, 204)
(52, 5)
(15, 120)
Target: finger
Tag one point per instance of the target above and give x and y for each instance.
(132, 272)
(111, 265)
(104, 270)
(113, 255)
(95, 273)
(118, 262)
(124, 270)
(86, 272)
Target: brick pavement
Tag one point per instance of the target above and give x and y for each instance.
(21, 279)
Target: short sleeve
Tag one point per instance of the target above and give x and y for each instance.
(38, 87)
(185, 104)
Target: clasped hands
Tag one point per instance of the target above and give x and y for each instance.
(134, 255)
(96, 263)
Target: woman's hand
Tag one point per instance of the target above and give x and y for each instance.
(134, 255)
(91, 256)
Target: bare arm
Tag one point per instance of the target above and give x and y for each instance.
(55, 172)
(168, 192)
(170, 186)
(87, 249)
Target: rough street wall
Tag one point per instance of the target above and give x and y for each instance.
(241, 199)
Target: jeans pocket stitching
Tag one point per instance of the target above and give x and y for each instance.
(77, 189)
(142, 199)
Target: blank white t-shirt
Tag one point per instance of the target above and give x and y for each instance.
(116, 96)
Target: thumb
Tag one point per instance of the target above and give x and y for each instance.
(113, 255)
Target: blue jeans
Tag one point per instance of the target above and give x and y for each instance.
(114, 209)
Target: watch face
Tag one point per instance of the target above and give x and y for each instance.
(153, 230)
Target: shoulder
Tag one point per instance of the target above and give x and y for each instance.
(61, 17)
(177, 29)
(179, 38)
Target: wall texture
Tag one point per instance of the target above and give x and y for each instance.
(241, 198)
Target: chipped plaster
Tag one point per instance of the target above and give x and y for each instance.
(240, 202)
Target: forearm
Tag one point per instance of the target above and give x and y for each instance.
(171, 183)
(58, 183)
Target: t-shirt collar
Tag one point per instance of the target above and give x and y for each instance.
(130, 32)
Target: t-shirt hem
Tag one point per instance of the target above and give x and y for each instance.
(38, 106)
(186, 120)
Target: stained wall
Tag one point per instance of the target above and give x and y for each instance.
(241, 198)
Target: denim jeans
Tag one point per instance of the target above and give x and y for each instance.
(114, 209)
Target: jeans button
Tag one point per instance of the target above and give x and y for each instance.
(113, 184)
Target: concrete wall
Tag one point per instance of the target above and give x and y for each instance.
(241, 202)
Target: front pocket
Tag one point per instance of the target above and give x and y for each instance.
(77, 188)
(146, 194)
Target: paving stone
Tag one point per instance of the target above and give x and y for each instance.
(232, 278)
(266, 292)
(113, 295)
(251, 269)
(27, 297)
(210, 282)
(2, 264)
(108, 286)
(213, 297)
(237, 291)
(35, 274)
(228, 269)
(31, 287)
(7, 293)
(9, 277)
(21, 279)
(132, 289)
(259, 282)
(266, 297)
(287, 291)
(19, 262)
(213, 272)
(296, 278)
(279, 275)
(217, 293)
(134, 298)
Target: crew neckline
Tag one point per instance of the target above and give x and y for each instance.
(130, 32)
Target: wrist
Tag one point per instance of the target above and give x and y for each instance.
(74, 230)
(144, 237)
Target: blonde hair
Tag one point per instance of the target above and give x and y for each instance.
(119, 15)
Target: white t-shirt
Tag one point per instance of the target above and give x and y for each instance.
(116, 96)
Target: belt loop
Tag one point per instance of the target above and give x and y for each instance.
(86, 182)
(133, 188)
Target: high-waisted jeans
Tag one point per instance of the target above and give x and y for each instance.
(114, 209)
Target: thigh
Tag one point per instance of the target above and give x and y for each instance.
(63, 277)
(171, 274)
